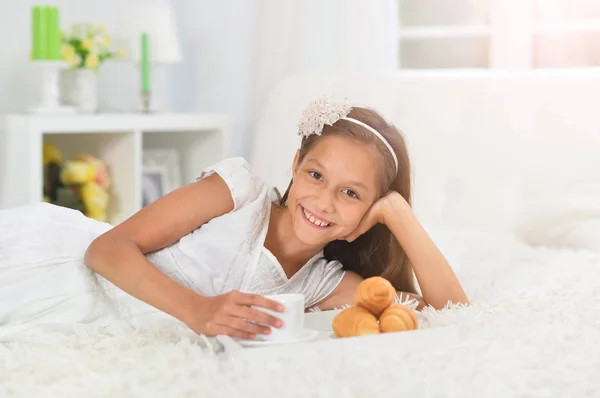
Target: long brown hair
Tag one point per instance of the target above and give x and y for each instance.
(377, 252)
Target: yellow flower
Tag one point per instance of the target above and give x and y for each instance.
(103, 42)
(68, 51)
(87, 44)
(74, 61)
(91, 61)
(121, 53)
(69, 55)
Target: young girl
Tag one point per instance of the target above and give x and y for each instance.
(207, 253)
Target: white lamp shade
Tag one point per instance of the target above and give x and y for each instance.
(157, 20)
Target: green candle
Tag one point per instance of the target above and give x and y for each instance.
(145, 63)
(38, 32)
(52, 33)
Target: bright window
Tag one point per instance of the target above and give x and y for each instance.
(498, 33)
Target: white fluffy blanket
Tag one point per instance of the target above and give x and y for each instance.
(532, 331)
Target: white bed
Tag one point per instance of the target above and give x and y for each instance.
(485, 149)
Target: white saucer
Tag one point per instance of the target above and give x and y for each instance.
(305, 335)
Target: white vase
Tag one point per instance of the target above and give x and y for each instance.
(79, 89)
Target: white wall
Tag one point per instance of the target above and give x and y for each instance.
(214, 76)
(218, 37)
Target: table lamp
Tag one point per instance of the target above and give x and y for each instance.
(151, 36)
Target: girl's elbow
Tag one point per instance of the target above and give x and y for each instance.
(92, 253)
(95, 256)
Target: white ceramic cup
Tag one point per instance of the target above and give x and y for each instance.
(292, 317)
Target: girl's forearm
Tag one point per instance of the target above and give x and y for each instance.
(123, 264)
(436, 278)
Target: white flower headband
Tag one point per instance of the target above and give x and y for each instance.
(327, 111)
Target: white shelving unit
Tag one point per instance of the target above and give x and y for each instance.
(119, 140)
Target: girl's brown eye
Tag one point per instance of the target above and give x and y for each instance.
(351, 193)
(315, 174)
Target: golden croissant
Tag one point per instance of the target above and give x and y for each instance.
(355, 321)
(397, 318)
(375, 294)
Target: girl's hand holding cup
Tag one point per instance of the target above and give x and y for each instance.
(233, 314)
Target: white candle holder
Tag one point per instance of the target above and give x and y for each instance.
(49, 98)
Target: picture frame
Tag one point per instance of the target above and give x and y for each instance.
(168, 161)
(154, 184)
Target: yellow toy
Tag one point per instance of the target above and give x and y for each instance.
(95, 199)
(101, 177)
(77, 172)
(81, 184)
(90, 174)
(51, 154)
(52, 161)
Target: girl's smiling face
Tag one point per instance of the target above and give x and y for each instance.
(333, 187)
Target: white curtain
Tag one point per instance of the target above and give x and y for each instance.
(320, 37)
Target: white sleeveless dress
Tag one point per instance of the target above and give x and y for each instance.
(44, 284)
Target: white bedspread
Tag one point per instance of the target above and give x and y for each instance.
(532, 331)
